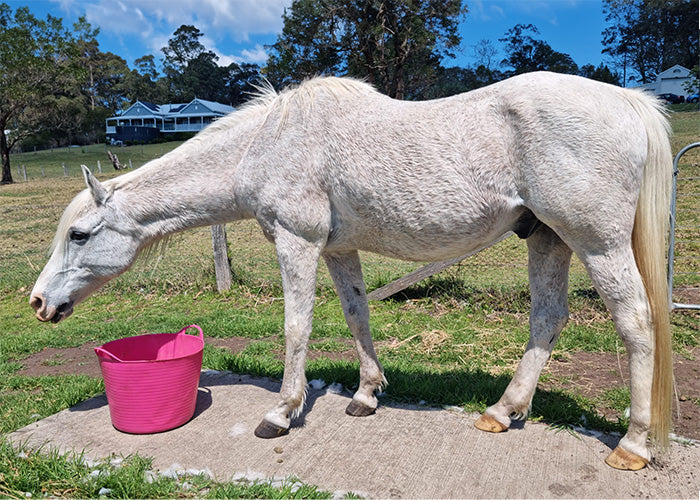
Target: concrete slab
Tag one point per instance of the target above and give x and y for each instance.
(400, 452)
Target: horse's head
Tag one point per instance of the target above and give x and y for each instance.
(95, 242)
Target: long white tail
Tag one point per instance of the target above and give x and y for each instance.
(651, 225)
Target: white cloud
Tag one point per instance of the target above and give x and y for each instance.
(257, 55)
(235, 18)
(500, 13)
(229, 26)
(118, 18)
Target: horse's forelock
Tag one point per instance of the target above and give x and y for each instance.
(73, 211)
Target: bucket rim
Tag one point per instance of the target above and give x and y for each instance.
(103, 353)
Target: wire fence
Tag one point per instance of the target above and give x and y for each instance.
(186, 263)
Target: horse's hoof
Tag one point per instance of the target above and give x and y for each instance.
(489, 424)
(356, 409)
(625, 460)
(266, 430)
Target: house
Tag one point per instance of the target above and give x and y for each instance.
(670, 81)
(144, 121)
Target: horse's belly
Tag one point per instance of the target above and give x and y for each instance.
(426, 251)
(429, 243)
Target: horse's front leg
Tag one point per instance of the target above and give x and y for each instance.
(298, 259)
(548, 269)
(346, 272)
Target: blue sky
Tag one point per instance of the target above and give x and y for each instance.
(238, 30)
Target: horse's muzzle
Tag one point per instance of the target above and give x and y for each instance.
(44, 312)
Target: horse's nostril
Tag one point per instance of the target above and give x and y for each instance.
(36, 302)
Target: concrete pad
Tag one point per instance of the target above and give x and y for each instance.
(400, 452)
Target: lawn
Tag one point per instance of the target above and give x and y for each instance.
(454, 339)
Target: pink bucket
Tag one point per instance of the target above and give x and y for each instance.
(151, 380)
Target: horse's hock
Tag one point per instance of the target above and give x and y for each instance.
(684, 240)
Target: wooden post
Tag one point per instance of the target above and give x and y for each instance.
(99, 166)
(24, 173)
(222, 266)
(65, 171)
(130, 165)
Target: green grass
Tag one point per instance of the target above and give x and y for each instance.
(26, 473)
(454, 339)
(53, 160)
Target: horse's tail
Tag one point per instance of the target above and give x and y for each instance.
(651, 225)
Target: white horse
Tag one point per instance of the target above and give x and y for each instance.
(332, 167)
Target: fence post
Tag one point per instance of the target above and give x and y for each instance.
(222, 266)
(65, 170)
(130, 165)
(24, 173)
(99, 166)
(43, 174)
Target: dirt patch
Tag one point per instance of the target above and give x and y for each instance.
(689, 295)
(591, 374)
(69, 361)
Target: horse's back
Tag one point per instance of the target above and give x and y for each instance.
(434, 179)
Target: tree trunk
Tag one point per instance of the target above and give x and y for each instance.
(115, 161)
(5, 153)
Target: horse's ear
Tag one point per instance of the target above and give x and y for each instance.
(99, 193)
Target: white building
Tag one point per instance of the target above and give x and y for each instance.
(670, 81)
(143, 120)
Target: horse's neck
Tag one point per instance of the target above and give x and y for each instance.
(179, 191)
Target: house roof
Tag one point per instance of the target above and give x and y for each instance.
(196, 107)
(676, 71)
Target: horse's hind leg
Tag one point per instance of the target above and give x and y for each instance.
(548, 269)
(346, 272)
(298, 259)
(620, 285)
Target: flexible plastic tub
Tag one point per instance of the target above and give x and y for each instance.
(151, 380)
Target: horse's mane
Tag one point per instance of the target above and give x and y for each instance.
(267, 101)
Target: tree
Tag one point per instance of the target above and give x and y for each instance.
(111, 81)
(645, 37)
(396, 45)
(38, 79)
(602, 73)
(144, 82)
(191, 70)
(87, 54)
(484, 52)
(241, 80)
(525, 53)
(451, 81)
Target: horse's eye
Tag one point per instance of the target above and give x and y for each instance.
(78, 236)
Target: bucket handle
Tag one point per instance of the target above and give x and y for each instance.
(106, 354)
(201, 333)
